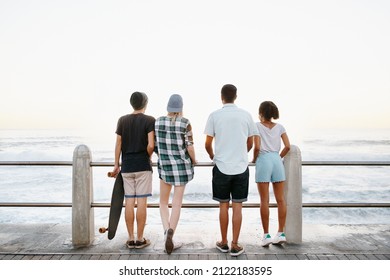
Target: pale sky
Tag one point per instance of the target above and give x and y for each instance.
(74, 64)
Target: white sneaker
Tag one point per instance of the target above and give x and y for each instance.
(280, 238)
(176, 245)
(267, 240)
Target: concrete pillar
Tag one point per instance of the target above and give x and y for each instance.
(82, 197)
(293, 195)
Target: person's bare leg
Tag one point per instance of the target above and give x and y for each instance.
(129, 217)
(236, 221)
(165, 190)
(177, 202)
(282, 208)
(141, 217)
(263, 189)
(224, 220)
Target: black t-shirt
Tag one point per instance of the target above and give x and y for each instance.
(134, 129)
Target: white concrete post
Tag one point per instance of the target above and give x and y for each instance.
(82, 198)
(293, 195)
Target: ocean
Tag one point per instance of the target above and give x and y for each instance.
(358, 184)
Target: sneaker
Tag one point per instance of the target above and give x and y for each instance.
(130, 244)
(267, 240)
(280, 238)
(224, 248)
(142, 244)
(236, 251)
(177, 245)
(169, 242)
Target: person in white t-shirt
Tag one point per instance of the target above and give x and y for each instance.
(270, 169)
(232, 130)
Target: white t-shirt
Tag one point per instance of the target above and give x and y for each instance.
(270, 137)
(231, 127)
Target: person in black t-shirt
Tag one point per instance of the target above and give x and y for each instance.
(135, 144)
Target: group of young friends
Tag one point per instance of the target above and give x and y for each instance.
(230, 134)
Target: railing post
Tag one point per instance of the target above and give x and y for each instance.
(82, 198)
(293, 195)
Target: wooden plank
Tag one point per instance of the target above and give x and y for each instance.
(371, 257)
(85, 257)
(342, 257)
(134, 257)
(209, 256)
(95, 257)
(380, 257)
(301, 256)
(312, 257)
(361, 257)
(351, 257)
(75, 257)
(114, 257)
(46, 257)
(18, 257)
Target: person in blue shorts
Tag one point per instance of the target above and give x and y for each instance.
(233, 129)
(270, 169)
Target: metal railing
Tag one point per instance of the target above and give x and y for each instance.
(198, 205)
(83, 204)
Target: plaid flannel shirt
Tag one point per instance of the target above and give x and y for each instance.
(172, 138)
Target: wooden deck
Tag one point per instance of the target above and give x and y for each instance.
(320, 242)
(217, 256)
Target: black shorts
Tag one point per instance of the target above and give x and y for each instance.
(230, 187)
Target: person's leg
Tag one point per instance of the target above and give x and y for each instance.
(141, 217)
(129, 217)
(165, 190)
(129, 188)
(236, 221)
(282, 209)
(263, 189)
(224, 220)
(177, 202)
(143, 189)
(221, 193)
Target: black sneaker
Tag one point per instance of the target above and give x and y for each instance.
(130, 244)
(169, 242)
(142, 244)
(236, 251)
(224, 248)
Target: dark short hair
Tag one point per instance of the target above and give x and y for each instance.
(138, 100)
(229, 93)
(269, 110)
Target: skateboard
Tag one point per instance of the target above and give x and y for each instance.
(117, 197)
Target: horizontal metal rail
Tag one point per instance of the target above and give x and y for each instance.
(201, 205)
(199, 164)
(197, 205)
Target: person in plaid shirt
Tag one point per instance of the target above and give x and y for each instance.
(176, 157)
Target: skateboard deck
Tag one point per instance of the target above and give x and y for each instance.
(117, 197)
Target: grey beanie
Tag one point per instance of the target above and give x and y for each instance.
(175, 104)
(138, 100)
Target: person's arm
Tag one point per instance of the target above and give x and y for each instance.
(189, 141)
(249, 143)
(151, 144)
(256, 149)
(118, 151)
(191, 152)
(209, 146)
(286, 143)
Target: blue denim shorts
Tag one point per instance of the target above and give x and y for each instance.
(269, 168)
